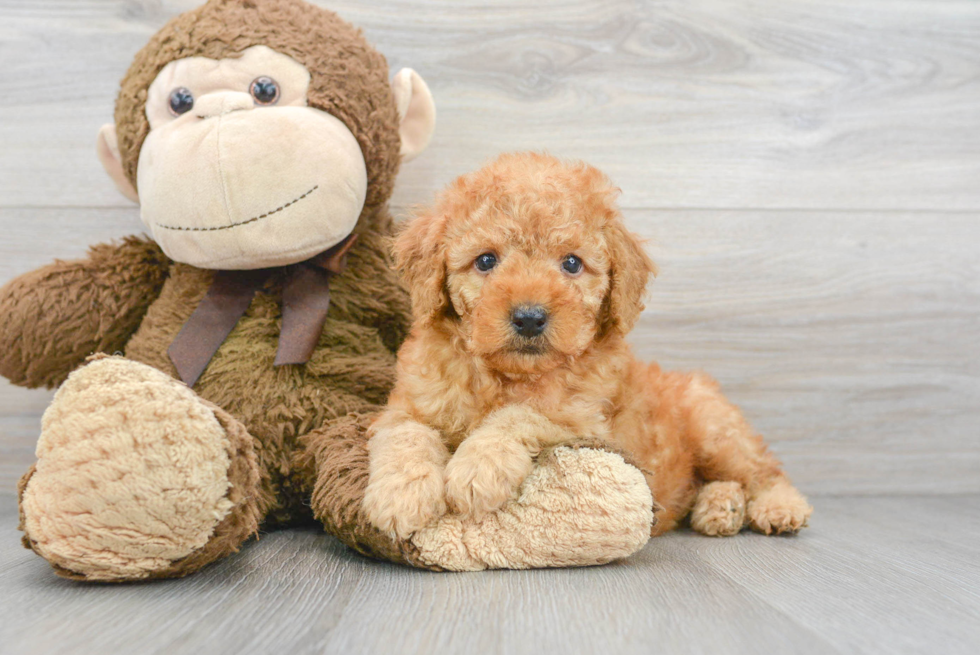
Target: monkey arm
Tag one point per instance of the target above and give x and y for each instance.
(52, 318)
(391, 313)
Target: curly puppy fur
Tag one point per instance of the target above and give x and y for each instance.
(475, 401)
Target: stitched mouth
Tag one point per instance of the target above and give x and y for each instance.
(246, 222)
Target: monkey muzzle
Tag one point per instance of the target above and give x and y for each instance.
(242, 188)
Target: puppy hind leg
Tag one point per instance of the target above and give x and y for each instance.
(728, 450)
(779, 509)
(719, 510)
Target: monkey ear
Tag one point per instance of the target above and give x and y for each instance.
(416, 111)
(108, 150)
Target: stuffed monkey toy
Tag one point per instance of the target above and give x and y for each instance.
(219, 376)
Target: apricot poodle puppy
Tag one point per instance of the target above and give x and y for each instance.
(524, 284)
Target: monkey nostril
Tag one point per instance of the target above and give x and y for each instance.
(529, 321)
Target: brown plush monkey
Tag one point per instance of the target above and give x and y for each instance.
(261, 139)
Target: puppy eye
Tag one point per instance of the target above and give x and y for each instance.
(180, 101)
(485, 262)
(571, 265)
(264, 90)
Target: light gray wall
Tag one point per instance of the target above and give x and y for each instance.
(807, 172)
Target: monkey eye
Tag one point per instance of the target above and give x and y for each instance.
(181, 101)
(264, 90)
(485, 262)
(571, 265)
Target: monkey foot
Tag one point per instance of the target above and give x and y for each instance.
(578, 507)
(136, 477)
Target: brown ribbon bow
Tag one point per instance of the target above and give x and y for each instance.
(305, 301)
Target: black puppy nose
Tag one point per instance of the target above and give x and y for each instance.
(529, 321)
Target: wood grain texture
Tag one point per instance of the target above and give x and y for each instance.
(806, 172)
(776, 104)
(849, 339)
(858, 581)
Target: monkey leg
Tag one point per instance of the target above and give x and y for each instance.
(578, 507)
(137, 477)
(729, 451)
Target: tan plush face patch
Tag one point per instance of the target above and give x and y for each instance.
(238, 172)
(205, 77)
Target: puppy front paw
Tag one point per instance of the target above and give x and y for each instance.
(400, 504)
(481, 478)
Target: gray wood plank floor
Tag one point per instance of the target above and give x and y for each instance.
(872, 575)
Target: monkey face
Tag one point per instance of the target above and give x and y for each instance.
(238, 172)
(274, 134)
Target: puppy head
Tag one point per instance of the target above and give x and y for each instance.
(527, 259)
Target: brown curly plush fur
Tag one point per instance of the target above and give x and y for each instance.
(339, 453)
(351, 369)
(129, 298)
(118, 281)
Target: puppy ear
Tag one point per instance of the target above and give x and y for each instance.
(630, 269)
(421, 260)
